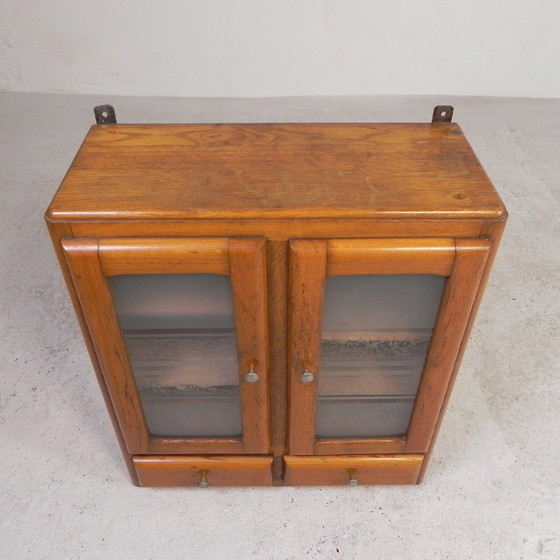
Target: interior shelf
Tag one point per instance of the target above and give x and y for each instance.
(372, 363)
(183, 362)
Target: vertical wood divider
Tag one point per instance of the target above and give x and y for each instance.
(308, 268)
(277, 266)
(247, 259)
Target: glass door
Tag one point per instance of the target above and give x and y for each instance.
(382, 324)
(179, 333)
(180, 330)
(375, 333)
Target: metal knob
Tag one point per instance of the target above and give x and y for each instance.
(252, 376)
(353, 481)
(203, 483)
(306, 376)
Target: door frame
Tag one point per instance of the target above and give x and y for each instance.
(461, 261)
(92, 261)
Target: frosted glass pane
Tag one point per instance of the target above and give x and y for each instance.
(173, 301)
(180, 338)
(382, 301)
(363, 417)
(375, 334)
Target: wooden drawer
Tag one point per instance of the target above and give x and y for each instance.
(334, 470)
(178, 470)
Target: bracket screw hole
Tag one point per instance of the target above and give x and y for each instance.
(104, 114)
(443, 113)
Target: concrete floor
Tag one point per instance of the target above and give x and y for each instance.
(493, 489)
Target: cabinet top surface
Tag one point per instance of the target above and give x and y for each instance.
(273, 171)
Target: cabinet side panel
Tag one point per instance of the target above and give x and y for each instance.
(493, 230)
(103, 325)
(457, 302)
(57, 233)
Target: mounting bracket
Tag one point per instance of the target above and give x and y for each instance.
(442, 114)
(105, 114)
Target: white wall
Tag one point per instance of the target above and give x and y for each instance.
(259, 48)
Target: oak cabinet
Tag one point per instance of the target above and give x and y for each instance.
(276, 303)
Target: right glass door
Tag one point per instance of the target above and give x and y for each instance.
(375, 330)
(375, 334)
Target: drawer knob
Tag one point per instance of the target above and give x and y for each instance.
(252, 376)
(203, 483)
(307, 376)
(352, 481)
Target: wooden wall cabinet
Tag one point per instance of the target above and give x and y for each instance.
(276, 303)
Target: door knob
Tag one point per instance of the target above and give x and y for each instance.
(252, 376)
(203, 483)
(352, 481)
(306, 376)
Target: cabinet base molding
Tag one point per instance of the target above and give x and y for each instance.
(352, 470)
(203, 471)
(238, 470)
(209, 471)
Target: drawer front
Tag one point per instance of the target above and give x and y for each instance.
(203, 471)
(352, 470)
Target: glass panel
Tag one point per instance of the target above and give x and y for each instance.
(375, 334)
(179, 334)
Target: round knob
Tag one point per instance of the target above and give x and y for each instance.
(252, 376)
(353, 481)
(307, 376)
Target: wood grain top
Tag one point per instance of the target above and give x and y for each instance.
(274, 171)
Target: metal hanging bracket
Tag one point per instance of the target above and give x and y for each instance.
(105, 114)
(442, 114)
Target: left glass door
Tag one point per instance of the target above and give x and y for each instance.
(180, 329)
(179, 333)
